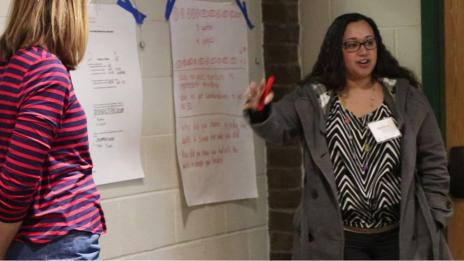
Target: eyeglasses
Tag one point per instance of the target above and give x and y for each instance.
(352, 46)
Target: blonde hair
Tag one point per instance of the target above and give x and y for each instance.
(59, 26)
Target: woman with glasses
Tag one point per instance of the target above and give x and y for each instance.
(376, 180)
(49, 204)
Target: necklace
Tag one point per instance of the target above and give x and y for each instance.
(372, 97)
(363, 138)
(358, 99)
(358, 104)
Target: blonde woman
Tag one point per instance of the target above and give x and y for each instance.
(49, 205)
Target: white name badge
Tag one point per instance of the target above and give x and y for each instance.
(384, 130)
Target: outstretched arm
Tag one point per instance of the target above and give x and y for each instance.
(277, 122)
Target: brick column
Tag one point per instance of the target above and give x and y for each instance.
(281, 39)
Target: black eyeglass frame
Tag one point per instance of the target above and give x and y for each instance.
(359, 44)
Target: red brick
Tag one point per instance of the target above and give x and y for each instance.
(284, 156)
(281, 256)
(284, 199)
(281, 221)
(284, 178)
(280, 12)
(281, 241)
(281, 53)
(281, 33)
(281, 38)
(288, 73)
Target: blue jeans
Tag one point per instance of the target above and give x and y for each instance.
(76, 246)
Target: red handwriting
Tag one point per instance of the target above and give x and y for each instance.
(212, 76)
(210, 137)
(209, 142)
(197, 13)
(204, 28)
(199, 158)
(206, 61)
(207, 41)
(196, 88)
(202, 36)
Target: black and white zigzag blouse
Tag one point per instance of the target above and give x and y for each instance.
(365, 171)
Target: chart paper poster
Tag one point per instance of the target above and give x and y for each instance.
(109, 86)
(210, 69)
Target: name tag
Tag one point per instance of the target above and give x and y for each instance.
(384, 130)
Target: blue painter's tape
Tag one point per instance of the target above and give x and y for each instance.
(128, 6)
(169, 7)
(243, 8)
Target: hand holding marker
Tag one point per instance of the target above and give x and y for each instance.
(267, 90)
(259, 97)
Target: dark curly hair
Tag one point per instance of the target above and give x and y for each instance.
(329, 68)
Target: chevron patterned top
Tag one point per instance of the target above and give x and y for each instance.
(366, 172)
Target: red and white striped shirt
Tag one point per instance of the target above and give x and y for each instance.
(45, 165)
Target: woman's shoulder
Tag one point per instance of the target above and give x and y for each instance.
(315, 92)
(408, 86)
(35, 55)
(310, 89)
(402, 86)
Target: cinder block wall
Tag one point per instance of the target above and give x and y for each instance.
(147, 218)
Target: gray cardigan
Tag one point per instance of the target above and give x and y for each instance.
(425, 205)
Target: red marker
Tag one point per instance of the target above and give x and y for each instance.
(267, 90)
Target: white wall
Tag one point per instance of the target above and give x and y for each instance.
(399, 22)
(148, 219)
